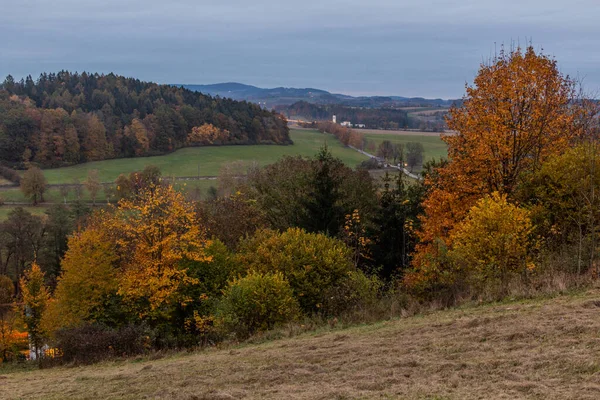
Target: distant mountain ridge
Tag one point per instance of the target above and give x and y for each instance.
(285, 96)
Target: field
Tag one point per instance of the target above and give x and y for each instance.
(185, 162)
(207, 161)
(434, 147)
(543, 349)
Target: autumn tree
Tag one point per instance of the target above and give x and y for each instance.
(155, 233)
(95, 146)
(33, 184)
(89, 279)
(564, 201)
(520, 112)
(138, 132)
(93, 184)
(207, 134)
(35, 297)
(7, 316)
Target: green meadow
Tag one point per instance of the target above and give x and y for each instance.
(207, 161)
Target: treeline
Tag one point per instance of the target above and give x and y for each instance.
(375, 118)
(372, 118)
(69, 118)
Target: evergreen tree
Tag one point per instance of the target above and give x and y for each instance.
(323, 213)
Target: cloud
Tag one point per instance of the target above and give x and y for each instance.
(427, 48)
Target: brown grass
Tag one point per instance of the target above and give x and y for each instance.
(541, 349)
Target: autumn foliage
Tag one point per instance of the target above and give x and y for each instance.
(520, 112)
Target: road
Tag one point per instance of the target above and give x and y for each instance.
(404, 170)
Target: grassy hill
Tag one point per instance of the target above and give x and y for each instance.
(542, 348)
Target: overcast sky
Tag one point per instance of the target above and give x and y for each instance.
(424, 48)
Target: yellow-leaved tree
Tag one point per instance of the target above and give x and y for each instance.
(130, 260)
(88, 281)
(207, 134)
(35, 297)
(154, 233)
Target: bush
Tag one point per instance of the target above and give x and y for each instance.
(371, 163)
(494, 242)
(257, 302)
(10, 175)
(312, 263)
(356, 291)
(88, 344)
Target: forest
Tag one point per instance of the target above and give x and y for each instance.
(68, 118)
(512, 212)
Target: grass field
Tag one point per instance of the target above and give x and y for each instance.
(434, 147)
(534, 349)
(185, 162)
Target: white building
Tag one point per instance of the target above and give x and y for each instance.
(347, 124)
(334, 119)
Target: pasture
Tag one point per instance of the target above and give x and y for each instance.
(208, 160)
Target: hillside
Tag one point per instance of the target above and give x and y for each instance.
(69, 118)
(527, 349)
(285, 96)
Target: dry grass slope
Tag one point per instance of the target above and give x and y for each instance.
(541, 349)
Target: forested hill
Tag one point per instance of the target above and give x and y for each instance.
(69, 118)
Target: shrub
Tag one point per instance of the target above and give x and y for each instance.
(88, 344)
(371, 163)
(257, 302)
(10, 175)
(494, 242)
(312, 263)
(355, 291)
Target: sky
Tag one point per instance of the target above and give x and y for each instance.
(427, 48)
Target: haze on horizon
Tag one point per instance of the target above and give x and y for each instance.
(429, 48)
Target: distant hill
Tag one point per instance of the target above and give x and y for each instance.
(285, 96)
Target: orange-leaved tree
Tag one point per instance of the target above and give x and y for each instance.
(520, 111)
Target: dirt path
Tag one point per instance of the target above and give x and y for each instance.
(535, 349)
